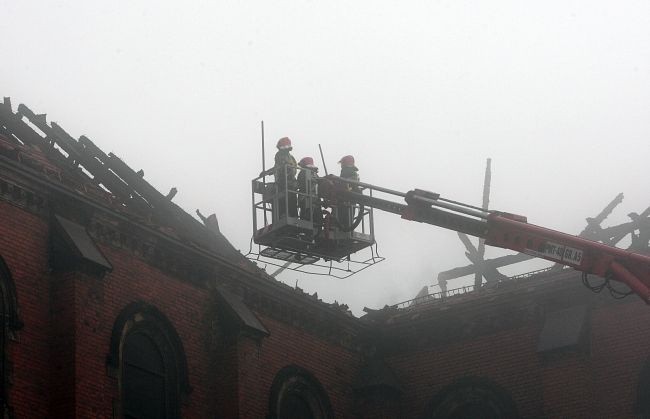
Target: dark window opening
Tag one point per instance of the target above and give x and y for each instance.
(3, 360)
(296, 407)
(144, 378)
(10, 324)
(148, 358)
(296, 394)
(643, 392)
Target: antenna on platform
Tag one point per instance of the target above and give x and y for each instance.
(322, 159)
(264, 170)
(263, 156)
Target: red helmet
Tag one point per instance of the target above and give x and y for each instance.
(307, 162)
(347, 161)
(284, 143)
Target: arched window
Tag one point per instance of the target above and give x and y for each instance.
(10, 323)
(472, 398)
(3, 355)
(148, 357)
(296, 394)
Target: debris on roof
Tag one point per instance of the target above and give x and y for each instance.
(28, 138)
(46, 150)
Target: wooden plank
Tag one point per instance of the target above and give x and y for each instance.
(141, 186)
(478, 277)
(491, 263)
(77, 155)
(18, 127)
(91, 151)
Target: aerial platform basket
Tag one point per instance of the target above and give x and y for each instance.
(292, 229)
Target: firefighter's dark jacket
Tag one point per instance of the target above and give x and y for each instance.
(350, 172)
(284, 158)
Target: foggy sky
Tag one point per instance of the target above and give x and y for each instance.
(421, 93)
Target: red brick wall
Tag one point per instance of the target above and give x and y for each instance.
(507, 358)
(378, 405)
(59, 360)
(100, 301)
(226, 375)
(23, 246)
(62, 341)
(599, 383)
(567, 387)
(620, 345)
(332, 365)
(74, 313)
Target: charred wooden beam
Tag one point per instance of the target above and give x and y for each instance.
(487, 264)
(77, 155)
(168, 212)
(490, 273)
(17, 126)
(141, 186)
(493, 275)
(40, 121)
(593, 231)
(126, 193)
(629, 228)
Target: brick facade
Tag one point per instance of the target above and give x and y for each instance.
(59, 359)
(72, 312)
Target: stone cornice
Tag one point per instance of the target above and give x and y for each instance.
(22, 197)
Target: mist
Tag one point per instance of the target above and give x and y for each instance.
(557, 94)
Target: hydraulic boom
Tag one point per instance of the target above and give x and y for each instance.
(501, 229)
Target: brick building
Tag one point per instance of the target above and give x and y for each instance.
(116, 303)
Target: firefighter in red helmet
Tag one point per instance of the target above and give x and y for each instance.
(307, 162)
(284, 171)
(348, 171)
(308, 201)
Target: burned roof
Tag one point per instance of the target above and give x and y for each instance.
(81, 166)
(520, 289)
(43, 151)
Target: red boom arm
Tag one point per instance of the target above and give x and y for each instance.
(504, 230)
(513, 232)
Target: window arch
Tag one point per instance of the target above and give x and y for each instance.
(296, 394)
(10, 323)
(148, 359)
(470, 398)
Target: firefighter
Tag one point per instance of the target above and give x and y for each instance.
(308, 201)
(348, 171)
(284, 172)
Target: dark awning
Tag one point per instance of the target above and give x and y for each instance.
(241, 313)
(78, 245)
